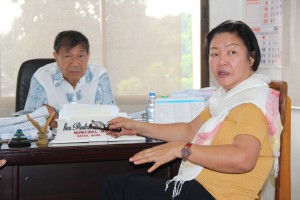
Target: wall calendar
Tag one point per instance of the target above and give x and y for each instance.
(267, 26)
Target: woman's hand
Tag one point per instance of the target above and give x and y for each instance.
(128, 126)
(2, 162)
(159, 155)
(53, 123)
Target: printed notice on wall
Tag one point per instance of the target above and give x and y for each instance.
(267, 26)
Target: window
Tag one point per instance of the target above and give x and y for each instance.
(146, 45)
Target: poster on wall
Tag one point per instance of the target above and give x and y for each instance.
(267, 26)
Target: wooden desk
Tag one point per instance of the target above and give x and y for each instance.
(74, 171)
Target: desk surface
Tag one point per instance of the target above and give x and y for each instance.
(72, 152)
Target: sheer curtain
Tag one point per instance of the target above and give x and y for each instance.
(28, 29)
(149, 46)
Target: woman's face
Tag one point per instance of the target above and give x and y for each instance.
(229, 60)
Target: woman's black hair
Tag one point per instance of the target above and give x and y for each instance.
(244, 32)
(70, 39)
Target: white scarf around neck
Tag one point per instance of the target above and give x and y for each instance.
(254, 90)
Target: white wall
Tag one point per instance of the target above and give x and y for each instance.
(295, 153)
(220, 11)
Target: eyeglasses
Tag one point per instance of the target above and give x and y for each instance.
(104, 127)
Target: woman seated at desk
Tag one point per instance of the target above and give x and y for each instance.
(228, 150)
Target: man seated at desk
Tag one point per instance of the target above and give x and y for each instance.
(70, 78)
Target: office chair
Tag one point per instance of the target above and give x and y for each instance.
(26, 71)
(283, 181)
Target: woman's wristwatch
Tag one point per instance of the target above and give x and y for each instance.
(186, 151)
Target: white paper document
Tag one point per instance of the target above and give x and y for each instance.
(194, 93)
(174, 110)
(75, 110)
(75, 120)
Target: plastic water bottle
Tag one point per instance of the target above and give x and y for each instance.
(150, 107)
(150, 111)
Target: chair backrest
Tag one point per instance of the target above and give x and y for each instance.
(283, 181)
(26, 71)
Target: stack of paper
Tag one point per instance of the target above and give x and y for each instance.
(191, 93)
(8, 126)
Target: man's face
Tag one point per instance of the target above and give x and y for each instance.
(72, 63)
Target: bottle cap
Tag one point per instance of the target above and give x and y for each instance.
(152, 94)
